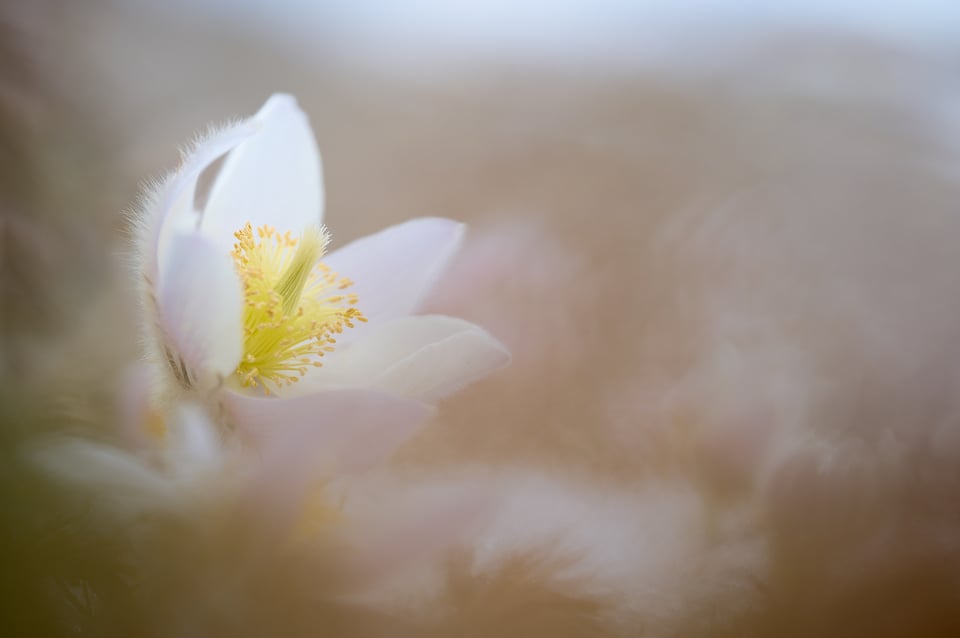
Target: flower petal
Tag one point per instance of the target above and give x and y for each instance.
(395, 268)
(193, 446)
(172, 205)
(440, 369)
(273, 178)
(305, 442)
(424, 358)
(119, 480)
(200, 306)
(339, 430)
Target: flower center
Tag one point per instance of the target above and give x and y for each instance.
(293, 304)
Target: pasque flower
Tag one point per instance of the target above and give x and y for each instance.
(194, 495)
(317, 358)
(246, 310)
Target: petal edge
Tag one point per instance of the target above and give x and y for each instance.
(394, 269)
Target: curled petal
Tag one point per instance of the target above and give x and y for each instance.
(173, 206)
(424, 358)
(394, 269)
(272, 178)
(200, 305)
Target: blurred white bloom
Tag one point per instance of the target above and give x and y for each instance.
(246, 313)
(185, 470)
(183, 460)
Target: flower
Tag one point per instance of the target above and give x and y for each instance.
(183, 470)
(245, 308)
(173, 502)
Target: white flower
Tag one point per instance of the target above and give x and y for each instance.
(245, 308)
(285, 494)
(181, 470)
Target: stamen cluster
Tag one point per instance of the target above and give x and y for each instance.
(293, 304)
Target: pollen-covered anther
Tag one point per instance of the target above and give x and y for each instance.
(290, 315)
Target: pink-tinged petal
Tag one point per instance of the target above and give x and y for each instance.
(174, 203)
(394, 269)
(305, 442)
(346, 430)
(442, 368)
(424, 358)
(272, 178)
(384, 345)
(200, 303)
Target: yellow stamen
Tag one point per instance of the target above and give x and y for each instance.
(293, 307)
(291, 283)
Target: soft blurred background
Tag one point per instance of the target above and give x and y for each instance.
(719, 237)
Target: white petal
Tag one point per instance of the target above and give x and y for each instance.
(305, 443)
(424, 358)
(200, 303)
(440, 369)
(111, 474)
(175, 202)
(273, 178)
(394, 269)
(338, 430)
(193, 446)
